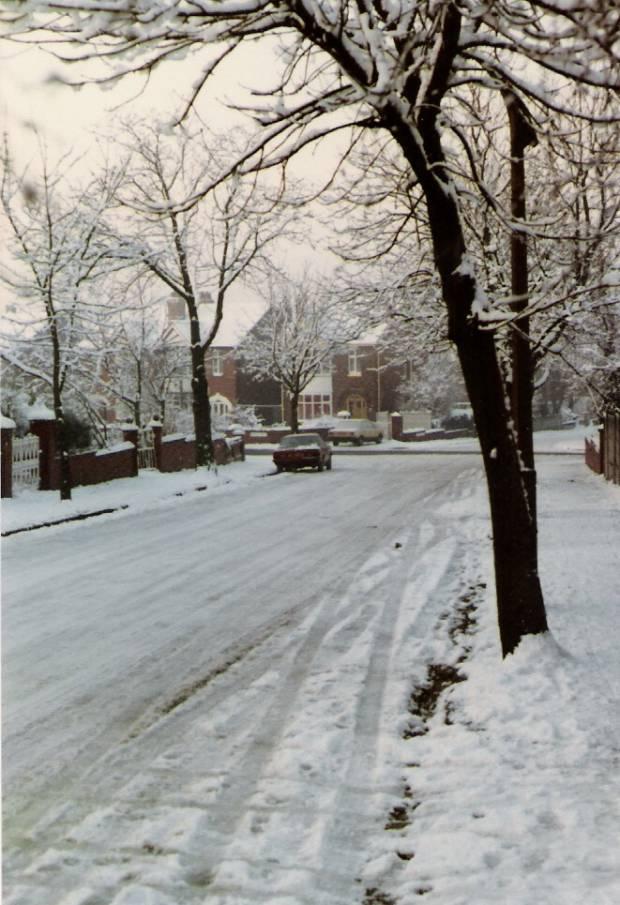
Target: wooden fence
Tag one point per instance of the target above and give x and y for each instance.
(604, 457)
(594, 458)
(610, 448)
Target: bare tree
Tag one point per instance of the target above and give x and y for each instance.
(133, 363)
(578, 262)
(573, 237)
(57, 255)
(198, 251)
(406, 70)
(296, 337)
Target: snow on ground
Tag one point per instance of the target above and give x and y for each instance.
(298, 772)
(559, 441)
(512, 791)
(150, 489)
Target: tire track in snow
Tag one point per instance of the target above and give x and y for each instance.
(70, 782)
(332, 625)
(352, 797)
(236, 776)
(230, 792)
(181, 660)
(339, 617)
(359, 788)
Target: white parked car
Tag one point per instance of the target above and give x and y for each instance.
(355, 430)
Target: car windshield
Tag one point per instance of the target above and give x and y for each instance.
(300, 440)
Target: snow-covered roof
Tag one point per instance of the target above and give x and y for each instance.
(243, 308)
(371, 337)
(39, 412)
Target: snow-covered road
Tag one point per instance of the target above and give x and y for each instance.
(186, 658)
(216, 698)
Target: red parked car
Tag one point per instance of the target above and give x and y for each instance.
(303, 451)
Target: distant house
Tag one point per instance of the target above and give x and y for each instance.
(365, 380)
(360, 379)
(240, 315)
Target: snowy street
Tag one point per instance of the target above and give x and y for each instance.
(238, 604)
(205, 701)
(380, 239)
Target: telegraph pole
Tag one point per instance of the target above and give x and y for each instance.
(522, 135)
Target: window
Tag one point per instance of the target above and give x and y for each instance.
(220, 405)
(355, 362)
(217, 362)
(314, 406)
(181, 388)
(294, 440)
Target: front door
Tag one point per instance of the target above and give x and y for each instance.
(356, 404)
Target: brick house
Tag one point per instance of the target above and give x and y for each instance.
(364, 380)
(240, 314)
(360, 379)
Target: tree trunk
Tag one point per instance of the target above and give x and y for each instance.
(136, 412)
(201, 408)
(63, 445)
(137, 400)
(522, 136)
(63, 449)
(295, 412)
(520, 604)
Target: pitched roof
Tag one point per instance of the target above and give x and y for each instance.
(243, 308)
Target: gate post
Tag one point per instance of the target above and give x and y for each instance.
(397, 426)
(157, 430)
(130, 435)
(7, 426)
(46, 429)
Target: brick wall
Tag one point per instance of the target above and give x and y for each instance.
(269, 435)
(6, 457)
(176, 453)
(97, 467)
(226, 382)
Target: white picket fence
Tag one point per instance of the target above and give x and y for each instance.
(26, 461)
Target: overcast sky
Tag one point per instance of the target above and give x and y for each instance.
(33, 97)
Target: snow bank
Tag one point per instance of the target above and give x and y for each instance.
(149, 490)
(513, 791)
(517, 801)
